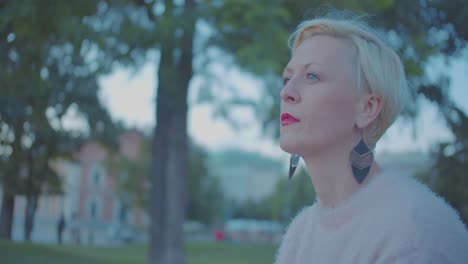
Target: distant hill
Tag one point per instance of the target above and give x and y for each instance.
(245, 175)
(231, 157)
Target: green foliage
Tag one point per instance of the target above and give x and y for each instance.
(205, 198)
(290, 196)
(132, 176)
(45, 72)
(239, 29)
(447, 176)
(251, 209)
(287, 199)
(46, 69)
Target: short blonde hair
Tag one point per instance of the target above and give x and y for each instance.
(380, 70)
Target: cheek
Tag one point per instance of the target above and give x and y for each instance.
(331, 113)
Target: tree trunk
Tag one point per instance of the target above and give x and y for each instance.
(158, 194)
(170, 165)
(6, 215)
(9, 183)
(168, 218)
(170, 144)
(29, 213)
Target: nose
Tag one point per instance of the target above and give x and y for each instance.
(289, 94)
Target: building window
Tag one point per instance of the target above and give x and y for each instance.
(123, 213)
(93, 210)
(96, 177)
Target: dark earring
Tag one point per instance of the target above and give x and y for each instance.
(293, 164)
(362, 159)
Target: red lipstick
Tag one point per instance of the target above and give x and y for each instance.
(288, 119)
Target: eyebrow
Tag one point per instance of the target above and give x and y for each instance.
(305, 66)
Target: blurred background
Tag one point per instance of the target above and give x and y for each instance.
(136, 129)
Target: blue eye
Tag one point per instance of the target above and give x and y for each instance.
(311, 76)
(285, 80)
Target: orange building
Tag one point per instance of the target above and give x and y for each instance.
(92, 204)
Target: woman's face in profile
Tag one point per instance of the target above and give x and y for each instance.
(317, 100)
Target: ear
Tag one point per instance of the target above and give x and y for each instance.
(369, 108)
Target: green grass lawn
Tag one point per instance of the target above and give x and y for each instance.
(197, 253)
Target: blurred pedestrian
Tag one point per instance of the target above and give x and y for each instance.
(60, 228)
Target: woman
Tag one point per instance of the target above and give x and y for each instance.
(343, 87)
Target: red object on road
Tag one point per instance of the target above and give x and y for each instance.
(219, 235)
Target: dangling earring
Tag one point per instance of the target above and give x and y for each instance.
(362, 159)
(293, 164)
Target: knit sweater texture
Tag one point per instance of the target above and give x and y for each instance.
(390, 219)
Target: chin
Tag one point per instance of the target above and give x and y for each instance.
(292, 146)
(300, 147)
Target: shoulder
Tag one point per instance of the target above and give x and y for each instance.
(421, 205)
(425, 222)
(298, 223)
(304, 216)
(408, 197)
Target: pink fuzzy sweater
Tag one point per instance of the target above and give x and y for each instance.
(391, 219)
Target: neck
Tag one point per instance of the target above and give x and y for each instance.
(332, 176)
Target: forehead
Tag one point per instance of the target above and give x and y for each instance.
(324, 51)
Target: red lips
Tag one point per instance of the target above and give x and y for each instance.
(288, 119)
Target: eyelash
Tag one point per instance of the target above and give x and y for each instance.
(315, 76)
(286, 79)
